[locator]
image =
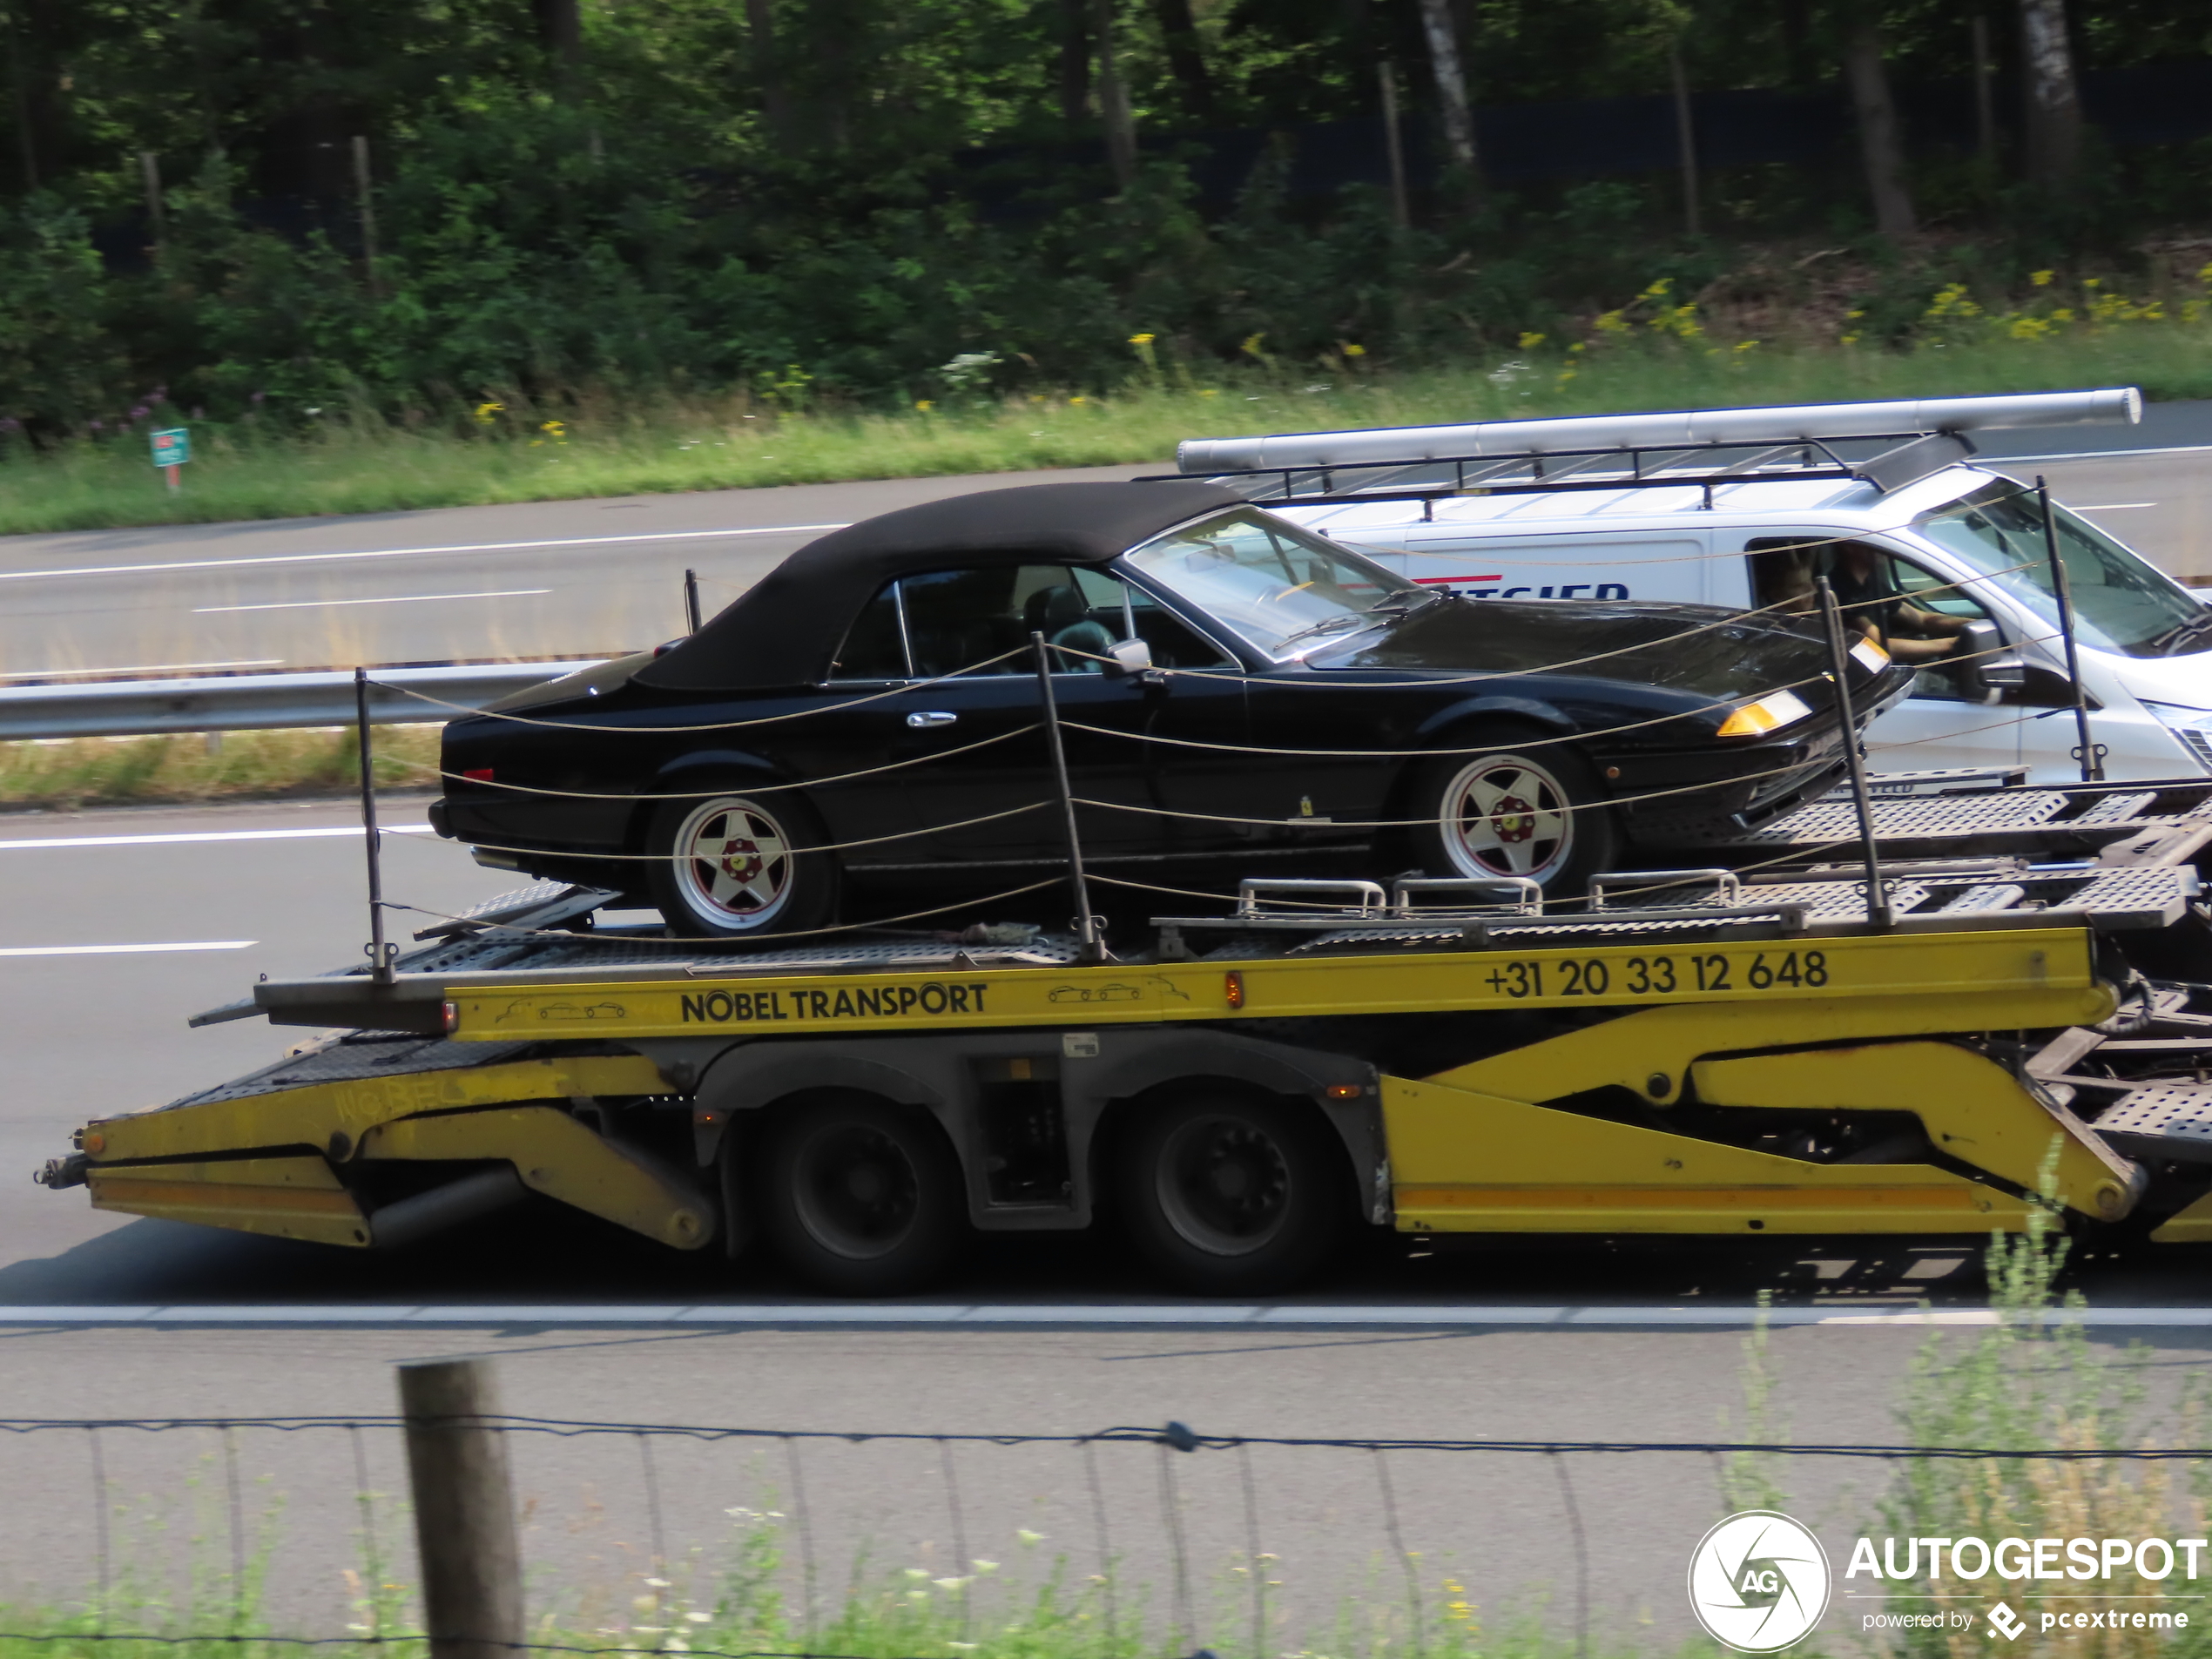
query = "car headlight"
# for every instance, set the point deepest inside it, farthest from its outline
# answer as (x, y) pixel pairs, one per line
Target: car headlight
(1870, 655)
(1770, 713)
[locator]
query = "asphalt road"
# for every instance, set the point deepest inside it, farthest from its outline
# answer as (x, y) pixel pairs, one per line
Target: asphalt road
(1498, 1524)
(567, 579)
(560, 579)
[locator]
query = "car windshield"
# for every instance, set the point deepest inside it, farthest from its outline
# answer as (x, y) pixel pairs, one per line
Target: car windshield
(1285, 591)
(2120, 603)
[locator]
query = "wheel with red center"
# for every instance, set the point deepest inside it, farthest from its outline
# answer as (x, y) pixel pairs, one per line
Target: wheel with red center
(726, 864)
(1526, 809)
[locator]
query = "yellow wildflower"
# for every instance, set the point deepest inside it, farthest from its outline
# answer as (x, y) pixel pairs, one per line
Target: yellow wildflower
(924, 404)
(2041, 278)
(1530, 340)
(1355, 351)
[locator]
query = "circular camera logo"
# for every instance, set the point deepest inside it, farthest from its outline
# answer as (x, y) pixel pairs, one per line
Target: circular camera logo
(1758, 1582)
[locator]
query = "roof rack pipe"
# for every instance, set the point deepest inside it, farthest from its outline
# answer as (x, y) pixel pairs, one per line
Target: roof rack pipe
(1804, 423)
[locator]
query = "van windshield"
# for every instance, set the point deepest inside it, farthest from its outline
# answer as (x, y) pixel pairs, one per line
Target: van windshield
(2120, 603)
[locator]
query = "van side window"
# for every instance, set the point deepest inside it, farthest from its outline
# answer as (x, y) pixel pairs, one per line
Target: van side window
(1782, 573)
(1917, 616)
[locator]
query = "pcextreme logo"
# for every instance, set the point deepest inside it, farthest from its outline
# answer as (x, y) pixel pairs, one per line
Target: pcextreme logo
(1758, 1582)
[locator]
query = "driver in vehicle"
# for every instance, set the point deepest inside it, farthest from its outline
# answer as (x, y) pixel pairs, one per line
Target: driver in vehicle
(1874, 605)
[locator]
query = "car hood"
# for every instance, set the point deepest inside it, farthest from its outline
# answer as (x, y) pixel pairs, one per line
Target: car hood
(1701, 649)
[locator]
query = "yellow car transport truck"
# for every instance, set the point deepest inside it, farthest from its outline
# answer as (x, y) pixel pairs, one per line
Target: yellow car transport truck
(1738, 1049)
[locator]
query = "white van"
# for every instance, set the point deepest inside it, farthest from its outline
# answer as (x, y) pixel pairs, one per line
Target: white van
(1551, 512)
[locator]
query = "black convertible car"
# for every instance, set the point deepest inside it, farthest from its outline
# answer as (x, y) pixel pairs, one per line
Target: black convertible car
(1231, 688)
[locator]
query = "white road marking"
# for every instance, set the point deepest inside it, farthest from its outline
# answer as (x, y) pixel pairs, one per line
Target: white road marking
(1291, 1316)
(412, 552)
(2113, 506)
(207, 835)
(2095, 455)
(136, 668)
(123, 950)
(395, 599)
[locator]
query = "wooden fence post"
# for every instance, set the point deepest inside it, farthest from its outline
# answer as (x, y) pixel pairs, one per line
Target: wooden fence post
(464, 1510)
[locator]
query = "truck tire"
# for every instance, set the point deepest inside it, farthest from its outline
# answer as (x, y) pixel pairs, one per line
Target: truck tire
(1232, 1194)
(1505, 806)
(860, 1196)
(732, 865)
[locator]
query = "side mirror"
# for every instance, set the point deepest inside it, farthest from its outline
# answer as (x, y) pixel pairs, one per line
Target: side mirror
(1988, 666)
(1129, 657)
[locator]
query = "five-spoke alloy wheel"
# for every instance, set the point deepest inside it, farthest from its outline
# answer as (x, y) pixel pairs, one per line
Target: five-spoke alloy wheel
(1530, 811)
(729, 865)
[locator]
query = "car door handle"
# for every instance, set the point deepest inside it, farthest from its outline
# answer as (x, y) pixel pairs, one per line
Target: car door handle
(928, 717)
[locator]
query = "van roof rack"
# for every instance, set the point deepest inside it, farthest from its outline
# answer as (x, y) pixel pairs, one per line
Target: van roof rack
(1706, 466)
(1890, 446)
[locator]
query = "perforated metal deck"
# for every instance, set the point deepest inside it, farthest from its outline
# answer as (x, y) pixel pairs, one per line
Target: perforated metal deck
(2165, 1120)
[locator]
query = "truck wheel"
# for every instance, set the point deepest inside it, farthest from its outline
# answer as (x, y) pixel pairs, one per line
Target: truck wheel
(1525, 809)
(861, 1198)
(1231, 1195)
(729, 865)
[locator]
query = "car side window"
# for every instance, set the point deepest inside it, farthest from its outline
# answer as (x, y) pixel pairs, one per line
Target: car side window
(1175, 643)
(979, 620)
(874, 647)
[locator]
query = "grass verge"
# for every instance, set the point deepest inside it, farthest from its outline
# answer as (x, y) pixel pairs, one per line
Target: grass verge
(65, 774)
(600, 444)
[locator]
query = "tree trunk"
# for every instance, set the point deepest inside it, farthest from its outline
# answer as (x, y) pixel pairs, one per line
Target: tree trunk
(1402, 214)
(1113, 101)
(775, 101)
(560, 31)
(1186, 57)
(1452, 109)
(36, 46)
(2054, 135)
(1985, 92)
(1798, 65)
(1685, 136)
(1074, 64)
(1880, 141)
(26, 145)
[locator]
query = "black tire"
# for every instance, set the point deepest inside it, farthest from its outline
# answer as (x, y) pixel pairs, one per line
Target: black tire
(860, 1196)
(748, 873)
(1231, 1194)
(1503, 805)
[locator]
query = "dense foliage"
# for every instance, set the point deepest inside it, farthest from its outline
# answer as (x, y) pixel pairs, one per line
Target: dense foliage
(890, 201)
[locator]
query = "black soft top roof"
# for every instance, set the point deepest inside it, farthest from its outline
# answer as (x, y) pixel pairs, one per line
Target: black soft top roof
(785, 629)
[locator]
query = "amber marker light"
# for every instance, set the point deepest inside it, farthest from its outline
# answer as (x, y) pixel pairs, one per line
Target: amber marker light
(1232, 986)
(1770, 713)
(1870, 655)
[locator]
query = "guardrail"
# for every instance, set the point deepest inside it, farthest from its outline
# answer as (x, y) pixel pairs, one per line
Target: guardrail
(256, 702)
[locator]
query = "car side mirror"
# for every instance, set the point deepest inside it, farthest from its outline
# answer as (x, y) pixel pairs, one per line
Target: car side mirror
(1129, 657)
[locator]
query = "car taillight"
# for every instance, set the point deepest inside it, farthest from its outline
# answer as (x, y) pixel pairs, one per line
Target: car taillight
(478, 775)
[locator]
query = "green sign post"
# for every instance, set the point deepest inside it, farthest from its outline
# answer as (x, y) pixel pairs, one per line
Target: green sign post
(171, 450)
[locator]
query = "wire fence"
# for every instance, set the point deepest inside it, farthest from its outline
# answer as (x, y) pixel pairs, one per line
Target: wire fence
(754, 1543)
